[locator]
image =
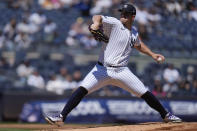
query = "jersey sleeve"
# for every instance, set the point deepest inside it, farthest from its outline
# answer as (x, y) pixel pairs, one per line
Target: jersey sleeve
(109, 20)
(138, 41)
(135, 40)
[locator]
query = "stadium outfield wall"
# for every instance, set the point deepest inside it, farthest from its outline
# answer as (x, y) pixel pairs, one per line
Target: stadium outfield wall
(32, 106)
(108, 110)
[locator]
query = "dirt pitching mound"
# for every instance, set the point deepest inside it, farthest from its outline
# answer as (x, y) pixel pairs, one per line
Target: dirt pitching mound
(185, 126)
(147, 127)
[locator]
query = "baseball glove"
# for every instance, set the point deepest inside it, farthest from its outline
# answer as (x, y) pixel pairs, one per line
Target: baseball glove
(99, 35)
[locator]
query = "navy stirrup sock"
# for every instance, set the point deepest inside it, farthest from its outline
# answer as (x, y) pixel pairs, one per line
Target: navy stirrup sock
(74, 100)
(153, 102)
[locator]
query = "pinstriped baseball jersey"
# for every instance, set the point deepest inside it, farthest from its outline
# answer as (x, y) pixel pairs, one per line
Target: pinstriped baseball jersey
(115, 56)
(121, 40)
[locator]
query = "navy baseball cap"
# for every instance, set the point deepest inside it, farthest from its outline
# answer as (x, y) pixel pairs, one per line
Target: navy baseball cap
(128, 8)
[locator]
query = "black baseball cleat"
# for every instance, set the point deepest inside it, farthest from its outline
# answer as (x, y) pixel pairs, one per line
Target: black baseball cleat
(55, 120)
(171, 118)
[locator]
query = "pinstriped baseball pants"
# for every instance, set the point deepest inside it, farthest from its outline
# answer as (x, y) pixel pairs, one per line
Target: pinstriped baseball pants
(122, 77)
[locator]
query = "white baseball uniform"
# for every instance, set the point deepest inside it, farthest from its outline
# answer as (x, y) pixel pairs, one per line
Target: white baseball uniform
(115, 56)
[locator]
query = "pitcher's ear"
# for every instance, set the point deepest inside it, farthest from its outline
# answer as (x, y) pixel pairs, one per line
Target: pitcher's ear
(133, 17)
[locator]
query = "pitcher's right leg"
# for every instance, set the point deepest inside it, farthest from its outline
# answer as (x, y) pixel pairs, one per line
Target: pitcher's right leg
(74, 100)
(95, 79)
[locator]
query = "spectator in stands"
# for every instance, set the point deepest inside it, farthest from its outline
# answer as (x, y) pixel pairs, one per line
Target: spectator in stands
(25, 27)
(84, 7)
(65, 83)
(36, 80)
(76, 28)
(71, 41)
(54, 4)
(69, 83)
(174, 7)
(142, 16)
(189, 4)
(158, 89)
(74, 33)
(3, 63)
(153, 16)
(46, 4)
(190, 74)
(24, 69)
(2, 39)
(63, 73)
(79, 34)
(143, 32)
(23, 40)
(100, 6)
(170, 88)
(115, 5)
(10, 29)
(50, 27)
(55, 85)
(185, 88)
(77, 76)
(81, 26)
(37, 18)
(88, 41)
(67, 3)
(193, 13)
(194, 87)
(142, 19)
(49, 30)
(171, 74)
(62, 84)
(171, 77)
(23, 4)
(31, 23)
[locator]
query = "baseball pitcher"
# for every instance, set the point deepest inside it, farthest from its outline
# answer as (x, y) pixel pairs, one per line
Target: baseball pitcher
(119, 38)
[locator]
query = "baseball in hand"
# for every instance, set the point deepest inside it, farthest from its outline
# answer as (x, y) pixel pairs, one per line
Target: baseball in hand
(159, 60)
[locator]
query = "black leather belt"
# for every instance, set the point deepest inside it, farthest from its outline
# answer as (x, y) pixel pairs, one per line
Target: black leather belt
(101, 64)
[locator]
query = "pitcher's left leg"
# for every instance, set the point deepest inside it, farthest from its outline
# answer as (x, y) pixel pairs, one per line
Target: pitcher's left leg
(128, 81)
(131, 83)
